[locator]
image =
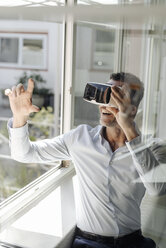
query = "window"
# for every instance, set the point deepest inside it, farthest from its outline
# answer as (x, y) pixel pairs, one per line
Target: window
(28, 54)
(9, 50)
(26, 51)
(113, 38)
(104, 50)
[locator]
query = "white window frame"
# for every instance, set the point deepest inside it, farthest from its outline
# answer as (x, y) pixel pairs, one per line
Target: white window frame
(21, 37)
(19, 203)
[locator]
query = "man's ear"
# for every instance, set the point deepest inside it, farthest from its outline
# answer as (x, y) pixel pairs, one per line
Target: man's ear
(134, 110)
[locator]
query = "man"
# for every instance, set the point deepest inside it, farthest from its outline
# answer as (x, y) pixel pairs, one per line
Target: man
(108, 160)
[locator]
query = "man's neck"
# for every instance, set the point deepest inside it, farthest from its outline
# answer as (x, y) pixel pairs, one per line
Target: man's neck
(115, 136)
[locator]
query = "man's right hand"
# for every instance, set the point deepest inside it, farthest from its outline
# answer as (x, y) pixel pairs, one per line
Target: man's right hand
(21, 103)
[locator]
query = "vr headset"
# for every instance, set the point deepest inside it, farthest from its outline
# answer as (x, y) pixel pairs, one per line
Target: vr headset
(99, 94)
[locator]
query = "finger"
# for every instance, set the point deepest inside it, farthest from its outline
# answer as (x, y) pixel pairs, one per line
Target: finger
(19, 89)
(30, 85)
(113, 110)
(117, 92)
(34, 108)
(14, 94)
(8, 92)
(116, 98)
(118, 102)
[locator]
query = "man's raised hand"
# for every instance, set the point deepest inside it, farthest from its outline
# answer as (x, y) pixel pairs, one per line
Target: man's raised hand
(126, 111)
(21, 103)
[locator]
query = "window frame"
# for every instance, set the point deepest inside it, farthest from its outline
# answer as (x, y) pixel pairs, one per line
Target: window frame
(94, 52)
(21, 37)
(22, 201)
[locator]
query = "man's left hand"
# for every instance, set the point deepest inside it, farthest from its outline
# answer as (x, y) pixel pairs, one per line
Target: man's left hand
(125, 111)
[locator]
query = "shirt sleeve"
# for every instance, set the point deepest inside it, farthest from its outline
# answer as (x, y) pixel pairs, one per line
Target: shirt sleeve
(149, 158)
(25, 151)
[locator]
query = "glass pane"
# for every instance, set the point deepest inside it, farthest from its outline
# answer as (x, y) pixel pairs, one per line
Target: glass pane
(94, 61)
(9, 50)
(32, 53)
(142, 52)
(15, 175)
(46, 95)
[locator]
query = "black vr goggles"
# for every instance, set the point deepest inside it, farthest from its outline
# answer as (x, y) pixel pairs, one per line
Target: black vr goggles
(99, 94)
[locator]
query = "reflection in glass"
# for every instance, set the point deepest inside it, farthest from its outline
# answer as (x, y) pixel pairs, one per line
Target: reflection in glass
(8, 50)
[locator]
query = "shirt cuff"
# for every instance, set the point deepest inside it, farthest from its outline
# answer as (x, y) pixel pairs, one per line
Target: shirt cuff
(17, 132)
(136, 145)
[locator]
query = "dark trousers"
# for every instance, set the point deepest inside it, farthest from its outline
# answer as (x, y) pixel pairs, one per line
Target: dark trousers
(135, 240)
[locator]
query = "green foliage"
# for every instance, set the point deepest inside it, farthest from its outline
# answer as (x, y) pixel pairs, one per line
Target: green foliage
(45, 115)
(39, 128)
(14, 176)
(3, 129)
(26, 175)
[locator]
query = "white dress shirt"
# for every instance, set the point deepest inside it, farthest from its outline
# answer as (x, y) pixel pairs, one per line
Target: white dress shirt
(109, 192)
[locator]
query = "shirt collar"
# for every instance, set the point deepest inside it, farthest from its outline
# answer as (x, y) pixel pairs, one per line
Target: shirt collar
(100, 134)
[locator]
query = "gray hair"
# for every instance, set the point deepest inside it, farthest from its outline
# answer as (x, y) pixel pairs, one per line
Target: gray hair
(135, 94)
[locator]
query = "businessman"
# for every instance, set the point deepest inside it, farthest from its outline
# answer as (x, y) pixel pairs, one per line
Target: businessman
(109, 159)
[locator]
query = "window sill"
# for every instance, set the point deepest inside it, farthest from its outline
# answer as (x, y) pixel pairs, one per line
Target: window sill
(49, 222)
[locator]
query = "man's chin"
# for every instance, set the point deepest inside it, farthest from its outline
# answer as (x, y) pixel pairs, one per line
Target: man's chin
(108, 123)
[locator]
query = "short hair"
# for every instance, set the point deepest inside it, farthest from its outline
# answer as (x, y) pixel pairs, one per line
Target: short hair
(136, 95)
